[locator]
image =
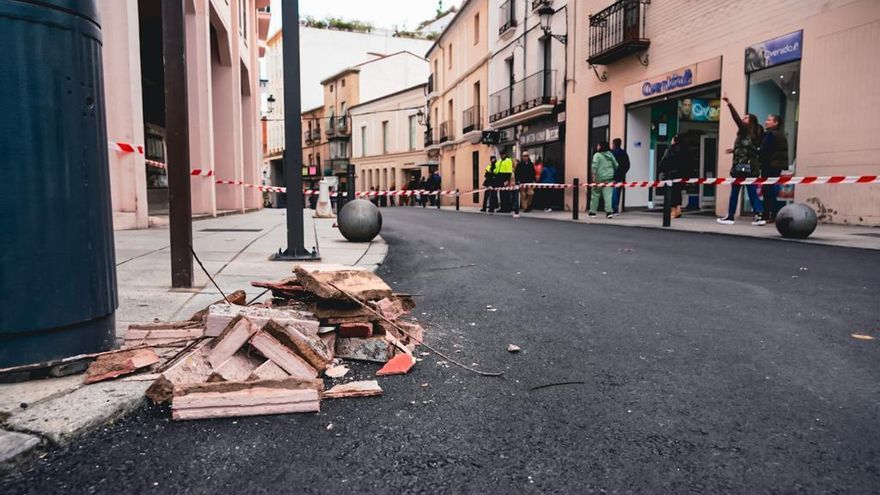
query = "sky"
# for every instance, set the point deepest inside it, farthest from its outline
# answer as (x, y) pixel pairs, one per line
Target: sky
(380, 13)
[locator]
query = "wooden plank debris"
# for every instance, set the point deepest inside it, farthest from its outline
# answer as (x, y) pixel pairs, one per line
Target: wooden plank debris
(283, 356)
(366, 388)
(237, 368)
(362, 284)
(219, 316)
(246, 399)
(231, 339)
(192, 367)
(268, 371)
(310, 348)
(330, 342)
(123, 363)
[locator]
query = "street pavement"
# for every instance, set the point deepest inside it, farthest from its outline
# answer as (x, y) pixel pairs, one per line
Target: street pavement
(652, 362)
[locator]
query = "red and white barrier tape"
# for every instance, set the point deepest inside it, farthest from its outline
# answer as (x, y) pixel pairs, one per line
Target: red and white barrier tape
(125, 147)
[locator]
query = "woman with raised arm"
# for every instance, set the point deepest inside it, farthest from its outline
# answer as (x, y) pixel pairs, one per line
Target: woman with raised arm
(746, 163)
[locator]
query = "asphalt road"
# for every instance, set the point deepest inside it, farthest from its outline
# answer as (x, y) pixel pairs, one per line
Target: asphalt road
(708, 364)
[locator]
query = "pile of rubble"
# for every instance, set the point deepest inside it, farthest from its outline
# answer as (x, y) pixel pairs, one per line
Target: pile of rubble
(240, 360)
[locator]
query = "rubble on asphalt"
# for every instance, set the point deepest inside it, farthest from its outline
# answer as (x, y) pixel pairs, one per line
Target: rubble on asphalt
(233, 360)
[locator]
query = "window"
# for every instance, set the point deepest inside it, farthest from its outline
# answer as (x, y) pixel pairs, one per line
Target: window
(342, 83)
(363, 140)
(311, 159)
(476, 28)
(385, 137)
(331, 88)
(342, 109)
(242, 20)
(412, 132)
(449, 53)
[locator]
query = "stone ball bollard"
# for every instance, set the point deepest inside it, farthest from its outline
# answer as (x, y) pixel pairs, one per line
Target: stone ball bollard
(359, 221)
(796, 221)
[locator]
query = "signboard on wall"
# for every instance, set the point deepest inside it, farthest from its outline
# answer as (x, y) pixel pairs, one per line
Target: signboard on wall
(699, 110)
(540, 136)
(777, 51)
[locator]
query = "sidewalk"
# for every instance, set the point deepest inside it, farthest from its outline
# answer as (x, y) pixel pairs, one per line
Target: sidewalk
(825, 234)
(235, 250)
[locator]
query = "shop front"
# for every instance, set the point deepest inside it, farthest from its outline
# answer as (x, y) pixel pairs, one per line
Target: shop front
(686, 103)
(543, 140)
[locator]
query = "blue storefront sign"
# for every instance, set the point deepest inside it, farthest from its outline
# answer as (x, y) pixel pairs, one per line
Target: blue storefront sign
(777, 51)
(669, 83)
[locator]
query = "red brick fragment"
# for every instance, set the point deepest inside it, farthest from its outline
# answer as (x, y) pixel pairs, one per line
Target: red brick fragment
(398, 365)
(361, 329)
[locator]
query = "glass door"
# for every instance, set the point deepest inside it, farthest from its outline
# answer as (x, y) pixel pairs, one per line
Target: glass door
(708, 168)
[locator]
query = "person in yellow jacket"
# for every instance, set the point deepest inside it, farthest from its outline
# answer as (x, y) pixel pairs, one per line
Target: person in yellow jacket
(503, 179)
(490, 197)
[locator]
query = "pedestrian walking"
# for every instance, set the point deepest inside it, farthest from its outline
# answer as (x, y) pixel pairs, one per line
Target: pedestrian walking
(672, 166)
(551, 196)
(490, 195)
(604, 165)
(746, 163)
(434, 187)
(525, 174)
(423, 187)
(620, 175)
(504, 179)
(774, 159)
(391, 191)
(413, 191)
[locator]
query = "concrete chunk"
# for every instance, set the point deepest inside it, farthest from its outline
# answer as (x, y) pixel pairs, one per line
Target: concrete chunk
(65, 417)
(13, 445)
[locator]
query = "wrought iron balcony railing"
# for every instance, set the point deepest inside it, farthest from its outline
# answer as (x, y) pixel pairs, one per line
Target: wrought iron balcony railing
(537, 89)
(446, 131)
(508, 17)
(472, 119)
(618, 31)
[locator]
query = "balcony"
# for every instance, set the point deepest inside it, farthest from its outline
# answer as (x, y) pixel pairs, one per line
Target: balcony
(618, 31)
(508, 18)
(431, 90)
(472, 119)
(341, 125)
(537, 4)
(307, 137)
(316, 134)
(446, 131)
(429, 138)
(526, 99)
(336, 166)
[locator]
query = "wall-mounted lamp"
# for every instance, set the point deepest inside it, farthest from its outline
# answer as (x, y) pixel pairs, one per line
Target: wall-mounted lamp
(270, 104)
(546, 12)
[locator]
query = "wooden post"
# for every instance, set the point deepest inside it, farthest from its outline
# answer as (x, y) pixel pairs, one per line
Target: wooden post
(177, 143)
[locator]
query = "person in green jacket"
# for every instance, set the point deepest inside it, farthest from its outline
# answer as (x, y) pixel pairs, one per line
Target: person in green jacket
(603, 168)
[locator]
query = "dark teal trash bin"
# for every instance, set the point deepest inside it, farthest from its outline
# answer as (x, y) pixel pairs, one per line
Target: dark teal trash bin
(57, 265)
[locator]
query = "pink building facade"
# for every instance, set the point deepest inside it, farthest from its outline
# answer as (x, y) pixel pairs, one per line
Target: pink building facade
(224, 39)
(644, 71)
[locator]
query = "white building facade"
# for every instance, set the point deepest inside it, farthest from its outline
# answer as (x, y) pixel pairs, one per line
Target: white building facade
(528, 70)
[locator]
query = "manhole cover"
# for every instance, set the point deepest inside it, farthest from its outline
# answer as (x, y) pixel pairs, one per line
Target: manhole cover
(231, 230)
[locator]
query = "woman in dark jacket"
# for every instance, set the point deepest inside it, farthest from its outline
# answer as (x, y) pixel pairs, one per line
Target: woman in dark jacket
(672, 166)
(745, 153)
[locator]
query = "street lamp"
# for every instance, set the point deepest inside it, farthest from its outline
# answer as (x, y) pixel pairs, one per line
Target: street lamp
(270, 103)
(546, 12)
(420, 117)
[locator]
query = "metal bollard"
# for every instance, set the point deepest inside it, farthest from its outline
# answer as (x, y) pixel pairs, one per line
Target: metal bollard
(439, 197)
(576, 199)
(667, 205)
(457, 201)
